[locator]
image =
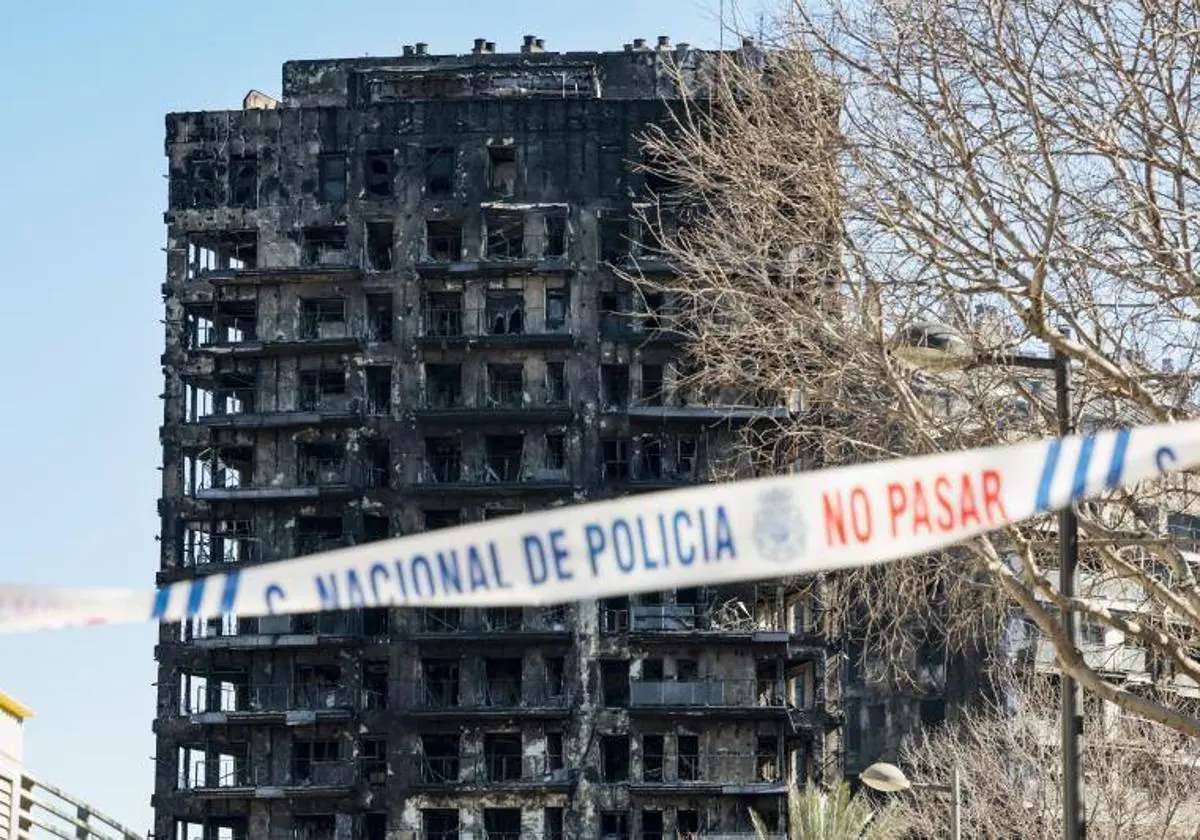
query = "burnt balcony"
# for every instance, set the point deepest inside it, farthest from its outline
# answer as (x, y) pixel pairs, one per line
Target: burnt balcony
(304, 778)
(640, 328)
(442, 698)
(498, 399)
(235, 402)
(231, 703)
(510, 325)
(712, 773)
(503, 467)
(739, 697)
(726, 622)
(493, 771)
(499, 625)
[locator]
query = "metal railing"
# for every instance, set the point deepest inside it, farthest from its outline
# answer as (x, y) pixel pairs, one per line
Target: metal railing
(281, 697)
(47, 811)
(724, 617)
(708, 693)
(713, 767)
(449, 770)
(324, 472)
(491, 620)
(495, 693)
(495, 320)
(618, 324)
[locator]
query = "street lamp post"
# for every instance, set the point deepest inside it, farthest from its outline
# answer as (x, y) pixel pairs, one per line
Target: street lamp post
(890, 778)
(940, 348)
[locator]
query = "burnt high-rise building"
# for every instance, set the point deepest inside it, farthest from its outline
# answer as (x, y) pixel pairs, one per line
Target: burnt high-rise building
(391, 307)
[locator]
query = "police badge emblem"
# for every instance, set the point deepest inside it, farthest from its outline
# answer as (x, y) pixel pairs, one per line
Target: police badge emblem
(779, 530)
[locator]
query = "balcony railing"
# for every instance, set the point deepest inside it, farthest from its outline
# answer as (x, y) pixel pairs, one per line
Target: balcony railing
(736, 769)
(302, 773)
(452, 770)
(281, 697)
(496, 393)
(732, 617)
(621, 324)
(495, 693)
(491, 322)
(441, 620)
(708, 693)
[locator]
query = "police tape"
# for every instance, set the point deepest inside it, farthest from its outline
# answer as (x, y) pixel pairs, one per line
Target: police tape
(700, 535)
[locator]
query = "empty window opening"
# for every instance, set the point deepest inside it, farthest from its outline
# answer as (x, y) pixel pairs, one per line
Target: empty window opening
(653, 758)
(220, 251)
(437, 519)
(685, 462)
(439, 824)
(314, 827)
(933, 711)
(202, 184)
(614, 682)
(376, 463)
(651, 462)
(440, 619)
(332, 174)
(767, 764)
(235, 393)
(441, 759)
(687, 823)
(213, 828)
(502, 824)
(503, 681)
(444, 314)
(324, 246)
(380, 317)
(502, 170)
(503, 454)
(379, 246)
(687, 670)
(652, 825)
(653, 669)
(556, 452)
(505, 235)
(558, 302)
(443, 240)
(440, 682)
(688, 768)
(443, 460)
(766, 676)
(379, 389)
(224, 467)
(652, 385)
(375, 826)
(243, 182)
(322, 390)
(505, 385)
(502, 756)
(614, 825)
(318, 533)
(375, 619)
(555, 827)
(614, 239)
(439, 171)
(443, 385)
(554, 751)
(504, 312)
(554, 244)
(556, 382)
(312, 760)
(378, 173)
(323, 318)
(322, 464)
(502, 619)
(375, 683)
(616, 460)
(655, 306)
(230, 541)
(614, 758)
(556, 677)
(235, 321)
(614, 386)
(372, 760)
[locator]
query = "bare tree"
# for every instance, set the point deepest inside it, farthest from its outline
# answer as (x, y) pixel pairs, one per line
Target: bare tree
(1022, 170)
(1140, 783)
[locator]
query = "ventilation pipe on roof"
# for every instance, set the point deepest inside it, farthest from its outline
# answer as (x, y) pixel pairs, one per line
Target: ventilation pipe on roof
(422, 48)
(664, 42)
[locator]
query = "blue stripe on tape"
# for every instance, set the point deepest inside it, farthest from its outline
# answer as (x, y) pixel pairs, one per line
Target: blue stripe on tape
(1079, 485)
(1048, 469)
(196, 596)
(229, 593)
(162, 598)
(1116, 466)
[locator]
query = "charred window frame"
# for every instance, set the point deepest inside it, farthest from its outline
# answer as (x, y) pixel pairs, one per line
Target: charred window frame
(243, 182)
(379, 173)
(331, 174)
(203, 191)
(379, 245)
(439, 170)
(558, 305)
(443, 240)
(502, 170)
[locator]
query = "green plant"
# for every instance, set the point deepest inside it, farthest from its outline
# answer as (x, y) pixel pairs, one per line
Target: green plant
(816, 814)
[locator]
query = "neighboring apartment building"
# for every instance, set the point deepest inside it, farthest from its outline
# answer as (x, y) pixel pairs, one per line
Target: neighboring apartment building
(30, 808)
(389, 308)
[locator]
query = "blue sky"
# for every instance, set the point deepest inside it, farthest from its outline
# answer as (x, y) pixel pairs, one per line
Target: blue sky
(81, 235)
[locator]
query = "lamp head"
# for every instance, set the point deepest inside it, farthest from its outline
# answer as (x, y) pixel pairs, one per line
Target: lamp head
(885, 777)
(932, 346)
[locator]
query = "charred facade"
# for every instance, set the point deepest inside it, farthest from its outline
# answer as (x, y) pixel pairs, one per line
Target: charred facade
(390, 307)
